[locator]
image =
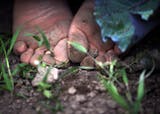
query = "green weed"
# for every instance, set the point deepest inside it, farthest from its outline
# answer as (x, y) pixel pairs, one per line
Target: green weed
(6, 75)
(126, 101)
(45, 87)
(110, 78)
(41, 38)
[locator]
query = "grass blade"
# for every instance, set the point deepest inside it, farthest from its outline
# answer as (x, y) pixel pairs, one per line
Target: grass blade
(13, 40)
(124, 77)
(140, 91)
(47, 94)
(18, 68)
(114, 94)
(78, 47)
(86, 68)
(69, 71)
(45, 40)
(36, 37)
(8, 83)
(8, 74)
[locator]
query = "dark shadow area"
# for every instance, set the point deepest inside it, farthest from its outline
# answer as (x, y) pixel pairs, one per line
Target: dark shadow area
(6, 8)
(75, 5)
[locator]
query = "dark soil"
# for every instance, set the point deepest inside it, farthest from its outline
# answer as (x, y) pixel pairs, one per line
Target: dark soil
(89, 96)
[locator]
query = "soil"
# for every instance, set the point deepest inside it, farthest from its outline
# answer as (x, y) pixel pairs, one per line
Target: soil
(82, 93)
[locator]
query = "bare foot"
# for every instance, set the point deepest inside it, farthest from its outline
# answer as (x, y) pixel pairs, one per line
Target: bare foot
(53, 17)
(85, 31)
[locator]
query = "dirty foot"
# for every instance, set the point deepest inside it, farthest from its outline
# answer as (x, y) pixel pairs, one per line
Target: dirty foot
(54, 18)
(85, 31)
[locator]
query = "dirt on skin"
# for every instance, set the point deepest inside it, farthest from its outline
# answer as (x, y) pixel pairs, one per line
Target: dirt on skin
(82, 93)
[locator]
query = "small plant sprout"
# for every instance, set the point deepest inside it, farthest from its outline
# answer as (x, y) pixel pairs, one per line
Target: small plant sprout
(7, 76)
(110, 80)
(41, 38)
(6, 73)
(45, 87)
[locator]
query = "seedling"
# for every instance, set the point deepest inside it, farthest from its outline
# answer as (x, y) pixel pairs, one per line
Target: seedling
(41, 38)
(6, 73)
(7, 76)
(110, 79)
(45, 87)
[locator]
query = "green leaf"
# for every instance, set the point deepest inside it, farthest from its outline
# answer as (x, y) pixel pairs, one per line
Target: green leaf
(7, 80)
(36, 37)
(86, 67)
(136, 107)
(111, 67)
(69, 71)
(140, 91)
(44, 86)
(47, 93)
(78, 47)
(18, 68)
(124, 77)
(13, 40)
(46, 74)
(45, 40)
(29, 34)
(114, 94)
(7, 76)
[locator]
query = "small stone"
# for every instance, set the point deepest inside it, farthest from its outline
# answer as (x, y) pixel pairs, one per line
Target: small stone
(111, 103)
(99, 87)
(37, 80)
(19, 83)
(74, 105)
(18, 101)
(38, 108)
(51, 78)
(27, 83)
(80, 98)
(79, 112)
(69, 111)
(28, 100)
(72, 90)
(53, 75)
(30, 104)
(35, 94)
(91, 94)
(100, 111)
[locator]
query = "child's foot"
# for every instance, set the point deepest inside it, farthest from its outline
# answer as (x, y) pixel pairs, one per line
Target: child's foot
(85, 31)
(53, 17)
